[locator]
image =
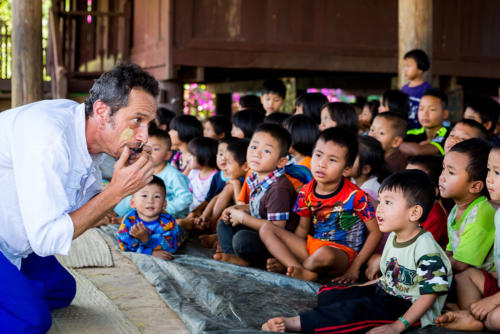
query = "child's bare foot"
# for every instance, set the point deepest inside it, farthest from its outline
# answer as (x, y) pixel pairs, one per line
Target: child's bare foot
(186, 223)
(459, 320)
(275, 266)
(301, 273)
(208, 240)
(451, 307)
(233, 259)
(218, 256)
(274, 325)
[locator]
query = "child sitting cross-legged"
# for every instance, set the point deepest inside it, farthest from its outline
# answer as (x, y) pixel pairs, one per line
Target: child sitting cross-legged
(478, 290)
(340, 214)
(471, 228)
(436, 219)
(272, 197)
(416, 273)
(148, 229)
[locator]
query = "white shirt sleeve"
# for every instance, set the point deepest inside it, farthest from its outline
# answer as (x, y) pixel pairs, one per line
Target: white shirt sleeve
(46, 192)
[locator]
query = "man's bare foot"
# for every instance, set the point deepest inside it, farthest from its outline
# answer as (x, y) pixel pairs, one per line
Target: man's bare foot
(275, 266)
(459, 320)
(233, 259)
(301, 273)
(218, 256)
(274, 325)
(208, 240)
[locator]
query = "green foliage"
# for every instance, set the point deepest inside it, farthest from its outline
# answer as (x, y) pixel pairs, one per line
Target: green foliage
(6, 12)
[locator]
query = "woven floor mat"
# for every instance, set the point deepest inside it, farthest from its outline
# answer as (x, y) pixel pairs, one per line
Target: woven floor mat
(88, 250)
(90, 312)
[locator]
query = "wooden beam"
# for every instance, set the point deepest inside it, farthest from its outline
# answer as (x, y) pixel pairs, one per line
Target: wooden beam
(26, 52)
(415, 32)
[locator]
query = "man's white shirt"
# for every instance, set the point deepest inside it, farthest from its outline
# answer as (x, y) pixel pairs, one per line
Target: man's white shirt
(46, 172)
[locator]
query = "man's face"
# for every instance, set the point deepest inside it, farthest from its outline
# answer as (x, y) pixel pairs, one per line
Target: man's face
(129, 125)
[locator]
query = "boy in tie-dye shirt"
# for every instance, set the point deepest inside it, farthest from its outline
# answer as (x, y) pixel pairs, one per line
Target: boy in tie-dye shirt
(148, 229)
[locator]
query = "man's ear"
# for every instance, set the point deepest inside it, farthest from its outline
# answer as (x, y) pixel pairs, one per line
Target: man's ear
(282, 162)
(416, 213)
(476, 187)
(396, 142)
(101, 111)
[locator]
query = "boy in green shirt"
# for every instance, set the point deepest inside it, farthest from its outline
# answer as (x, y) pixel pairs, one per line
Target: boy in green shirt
(471, 228)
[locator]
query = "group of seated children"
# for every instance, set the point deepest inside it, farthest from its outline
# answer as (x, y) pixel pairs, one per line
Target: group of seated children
(389, 197)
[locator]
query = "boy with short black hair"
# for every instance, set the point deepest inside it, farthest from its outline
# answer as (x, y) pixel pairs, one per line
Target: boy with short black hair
(396, 101)
(429, 139)
(335, 211)
(148, 229)
(463, 130)
(415, 63)
(416, 272)
(272, 197)
(273, 95)
(484, 110)
(389, 128)
(471, 228)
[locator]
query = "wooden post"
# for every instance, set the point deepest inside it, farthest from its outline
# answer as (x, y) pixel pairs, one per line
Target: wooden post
(26, 52)
(415, 32)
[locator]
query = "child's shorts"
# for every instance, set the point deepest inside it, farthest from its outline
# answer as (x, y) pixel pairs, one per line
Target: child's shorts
(314, 244)
(490, 284)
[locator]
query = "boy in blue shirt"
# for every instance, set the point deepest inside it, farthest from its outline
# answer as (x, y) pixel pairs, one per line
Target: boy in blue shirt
(148, 229)
(415, 63)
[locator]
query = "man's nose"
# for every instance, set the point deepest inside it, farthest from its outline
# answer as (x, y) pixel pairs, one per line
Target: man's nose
(142, 134)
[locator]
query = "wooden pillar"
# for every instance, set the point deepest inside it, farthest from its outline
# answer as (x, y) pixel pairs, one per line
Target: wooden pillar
(171, 95)
(26, 52)
(415, 32)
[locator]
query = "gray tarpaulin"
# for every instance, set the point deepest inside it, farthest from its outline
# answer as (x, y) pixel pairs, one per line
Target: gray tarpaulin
(215, 297)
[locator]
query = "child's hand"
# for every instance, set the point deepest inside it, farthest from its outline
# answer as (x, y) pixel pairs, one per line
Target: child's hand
(162, 254)
(373, 267)
(392, 328)
(139, 231)
(481, 308)
(200, 223)
(350, 276)
(237, 217)
(226, 215)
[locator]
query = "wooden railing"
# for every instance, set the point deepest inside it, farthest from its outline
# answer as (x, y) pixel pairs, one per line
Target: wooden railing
(5, 51)
(83, 44)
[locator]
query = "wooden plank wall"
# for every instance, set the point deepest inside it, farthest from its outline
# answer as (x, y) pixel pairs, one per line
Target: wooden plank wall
(324, 35)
